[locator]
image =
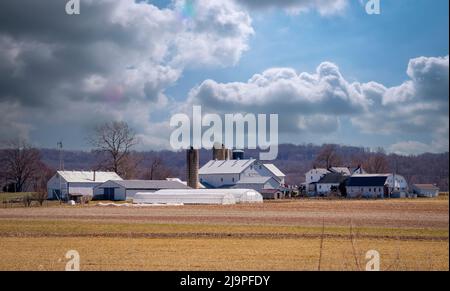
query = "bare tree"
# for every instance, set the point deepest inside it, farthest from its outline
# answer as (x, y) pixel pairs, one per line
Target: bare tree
(157, 170)
(377, 163)
(40, 185)
(21, 163)
(328, 157)
(114, 140)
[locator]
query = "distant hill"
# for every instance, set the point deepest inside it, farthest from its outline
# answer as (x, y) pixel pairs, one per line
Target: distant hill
(293, 160)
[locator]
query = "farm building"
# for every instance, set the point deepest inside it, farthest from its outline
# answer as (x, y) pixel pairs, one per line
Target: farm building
(122, 190)
(65, 185)
(273, 194)
(242, 174)
(313, 176)
(377, 186)
(199, 196)
(329, 182)
(425, 190)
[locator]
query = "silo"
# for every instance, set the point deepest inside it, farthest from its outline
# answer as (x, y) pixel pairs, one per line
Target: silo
(220, 153)
(192, 165)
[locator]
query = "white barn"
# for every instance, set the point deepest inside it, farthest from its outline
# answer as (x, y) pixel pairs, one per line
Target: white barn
(65, 184)
(251, 174)
(377, 186)
(122, 190)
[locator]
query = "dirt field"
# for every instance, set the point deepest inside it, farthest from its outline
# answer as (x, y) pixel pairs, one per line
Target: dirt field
(408, 234)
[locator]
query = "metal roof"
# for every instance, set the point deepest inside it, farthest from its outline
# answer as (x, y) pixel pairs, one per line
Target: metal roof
(225, 167)
(150, 184)
(274, 170)
(332, 178)
(367, 180)
(426, 186)
(341, 170)
(88, 176)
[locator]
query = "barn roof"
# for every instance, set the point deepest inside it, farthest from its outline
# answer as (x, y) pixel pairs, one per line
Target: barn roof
(341, 170)
(225, 167)
(274, 170)
(254, 180)
(426, 187)
(88, 176)
(151, 184)
(332, 178)
(367, 181)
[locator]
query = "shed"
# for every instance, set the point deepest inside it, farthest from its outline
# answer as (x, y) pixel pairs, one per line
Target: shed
(66, 183)
(425, 190)
(126, 189)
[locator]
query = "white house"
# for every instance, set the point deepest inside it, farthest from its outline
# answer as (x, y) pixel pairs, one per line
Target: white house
(314, 175)
(377, 186)
(425, 190)
(250, 174)
(65, 184)
(326, 184)
(122, 190)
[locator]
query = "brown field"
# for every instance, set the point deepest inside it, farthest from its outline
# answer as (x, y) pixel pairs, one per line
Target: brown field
(286, 235)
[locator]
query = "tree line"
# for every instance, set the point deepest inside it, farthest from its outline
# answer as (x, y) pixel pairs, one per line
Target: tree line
(26, 168)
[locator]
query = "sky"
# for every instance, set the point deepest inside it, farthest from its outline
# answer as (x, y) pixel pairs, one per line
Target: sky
(332, 72)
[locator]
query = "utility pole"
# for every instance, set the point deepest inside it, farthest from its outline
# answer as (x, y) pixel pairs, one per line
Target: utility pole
(61, 167)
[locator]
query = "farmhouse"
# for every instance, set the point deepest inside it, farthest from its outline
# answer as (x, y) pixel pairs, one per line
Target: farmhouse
(425, 190)
(66, 185)
(122, 190)
(250, 173)
(377, 186)
(329, 183)
(313, 176)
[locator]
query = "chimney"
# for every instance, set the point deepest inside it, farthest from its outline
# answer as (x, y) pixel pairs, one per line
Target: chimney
(192, 165)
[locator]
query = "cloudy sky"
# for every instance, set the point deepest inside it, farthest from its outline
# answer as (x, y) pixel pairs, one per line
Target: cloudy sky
(332, 72)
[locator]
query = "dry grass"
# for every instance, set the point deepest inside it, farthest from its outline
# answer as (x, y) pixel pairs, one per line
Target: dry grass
(409, 235)
(216, 254)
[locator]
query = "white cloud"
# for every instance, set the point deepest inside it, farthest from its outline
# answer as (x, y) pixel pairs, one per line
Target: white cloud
(324, 7)
(316, 103)
(114, 60)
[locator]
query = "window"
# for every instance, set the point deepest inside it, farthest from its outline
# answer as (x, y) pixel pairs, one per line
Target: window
(233, 179)
(370, 189)
(221, 179)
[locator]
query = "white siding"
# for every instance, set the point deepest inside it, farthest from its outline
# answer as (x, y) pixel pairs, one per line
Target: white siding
(365, 192)
(315, 175)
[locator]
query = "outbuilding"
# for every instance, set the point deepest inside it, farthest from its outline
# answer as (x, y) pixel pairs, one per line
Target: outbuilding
(67, 184)
(199, 196)
(122, 190)
(425, 190)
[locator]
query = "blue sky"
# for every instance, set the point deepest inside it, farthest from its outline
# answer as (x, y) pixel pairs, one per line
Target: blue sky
(331, 71)
(365, 47)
